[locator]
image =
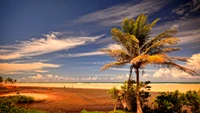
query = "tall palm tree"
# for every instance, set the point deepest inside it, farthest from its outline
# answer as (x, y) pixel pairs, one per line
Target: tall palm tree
(139, 50)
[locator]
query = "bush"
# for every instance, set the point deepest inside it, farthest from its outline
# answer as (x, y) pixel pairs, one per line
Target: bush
(120, 95)
(169, 102)
(192, 98)
(8, 104)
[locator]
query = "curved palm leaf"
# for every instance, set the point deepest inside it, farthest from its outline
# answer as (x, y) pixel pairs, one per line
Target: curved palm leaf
(119, 55)
(114, 64)
(171, 65)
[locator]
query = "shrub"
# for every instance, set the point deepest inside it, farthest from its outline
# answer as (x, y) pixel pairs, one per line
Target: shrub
(169, 102)
(192, 98)
(120, 95)
(8, 104)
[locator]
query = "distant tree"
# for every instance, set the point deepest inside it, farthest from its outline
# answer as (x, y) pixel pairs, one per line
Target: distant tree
(15, 81)
(8, 80)
(139, 50)
(1, 79)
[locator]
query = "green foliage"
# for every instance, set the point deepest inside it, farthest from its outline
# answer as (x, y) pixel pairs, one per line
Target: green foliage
(8, 104)
(85, 111)
(169, 102)
(192, 98)
(120, 95)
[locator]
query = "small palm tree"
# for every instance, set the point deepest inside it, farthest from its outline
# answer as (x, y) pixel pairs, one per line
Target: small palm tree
(139, 50)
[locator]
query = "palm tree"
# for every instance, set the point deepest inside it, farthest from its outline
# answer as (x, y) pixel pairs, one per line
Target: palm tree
(139, 50)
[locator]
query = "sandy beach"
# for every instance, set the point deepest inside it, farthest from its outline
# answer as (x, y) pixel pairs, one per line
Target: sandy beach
(154, 87)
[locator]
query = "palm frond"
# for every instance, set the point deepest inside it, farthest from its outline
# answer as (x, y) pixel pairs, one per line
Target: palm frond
(183, 59)
(113, 64)
(165, 34)
(127, 25)
(161, 43)
(165, 50)
(139, 29)
(140, 58)
(171, 65)
(132, 44)
(157, 59)
(119, 55)
(118, 36)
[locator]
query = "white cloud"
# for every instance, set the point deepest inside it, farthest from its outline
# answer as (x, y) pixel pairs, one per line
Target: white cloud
(41, 71)
(37, 77)
(82, 54)
(93, 53)
(115, 14)
(50, 43)
(20, 68)
(193, 63)
(58, 78)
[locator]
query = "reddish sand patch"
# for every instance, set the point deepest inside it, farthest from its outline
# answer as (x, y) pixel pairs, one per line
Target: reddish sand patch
(69, 100)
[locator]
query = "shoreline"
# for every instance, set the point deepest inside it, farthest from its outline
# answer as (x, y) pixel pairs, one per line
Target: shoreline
(106, 86)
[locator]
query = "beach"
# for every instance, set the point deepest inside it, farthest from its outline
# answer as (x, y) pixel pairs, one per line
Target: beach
(74, 97)
(155, 87)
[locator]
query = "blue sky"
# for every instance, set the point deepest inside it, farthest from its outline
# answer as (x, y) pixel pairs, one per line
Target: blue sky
(59, 41)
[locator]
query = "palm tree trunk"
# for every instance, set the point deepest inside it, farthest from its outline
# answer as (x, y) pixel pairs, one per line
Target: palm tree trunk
(139, 108)
(129, 78)
(128, 102)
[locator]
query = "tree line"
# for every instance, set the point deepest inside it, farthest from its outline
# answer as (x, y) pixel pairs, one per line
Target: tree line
(7, 80)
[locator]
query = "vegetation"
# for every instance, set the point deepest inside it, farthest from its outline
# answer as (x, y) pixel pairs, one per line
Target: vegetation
(120, 95)
(138, 49)
(8, 104)
(85, 111)
(169, 102)
(10, 81)
(192, 98)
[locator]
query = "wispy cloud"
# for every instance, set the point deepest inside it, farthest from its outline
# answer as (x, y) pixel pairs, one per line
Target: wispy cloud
(93, 53)
(81, 54)
(21, 68)
(185, 10)
(188, 30)
(115, 14)
(50, 43)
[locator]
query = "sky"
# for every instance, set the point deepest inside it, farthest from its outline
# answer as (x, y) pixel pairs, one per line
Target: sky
(59, 40)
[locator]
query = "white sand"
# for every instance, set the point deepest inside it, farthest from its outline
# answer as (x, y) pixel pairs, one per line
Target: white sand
(36, 96)
(155, 87)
